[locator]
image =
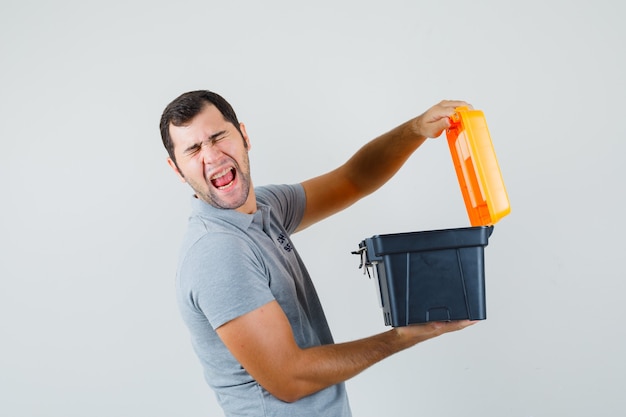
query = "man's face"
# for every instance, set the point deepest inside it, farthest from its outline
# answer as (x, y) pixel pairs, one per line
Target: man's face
(213, 160)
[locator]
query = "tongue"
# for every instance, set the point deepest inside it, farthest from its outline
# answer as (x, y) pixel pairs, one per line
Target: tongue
(223, 180)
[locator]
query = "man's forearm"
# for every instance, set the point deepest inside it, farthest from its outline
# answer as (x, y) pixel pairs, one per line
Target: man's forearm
(319, 367)
(378, 160)
(372, 165)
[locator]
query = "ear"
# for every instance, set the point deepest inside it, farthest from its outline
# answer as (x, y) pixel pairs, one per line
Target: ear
(246, 138)
(175, 168)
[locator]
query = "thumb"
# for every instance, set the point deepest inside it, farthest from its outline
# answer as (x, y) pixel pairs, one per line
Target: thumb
(436, 127)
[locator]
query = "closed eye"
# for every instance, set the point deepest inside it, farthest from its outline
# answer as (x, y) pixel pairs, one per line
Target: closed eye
(192, 149)
(211, 140)
(218, 136)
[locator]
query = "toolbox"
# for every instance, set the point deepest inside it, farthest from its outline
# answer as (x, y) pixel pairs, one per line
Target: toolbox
(436, 275)
(439, 275)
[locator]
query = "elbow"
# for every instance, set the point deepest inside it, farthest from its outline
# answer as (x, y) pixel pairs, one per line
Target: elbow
(290, 391)
(287, 394)
(288, 398)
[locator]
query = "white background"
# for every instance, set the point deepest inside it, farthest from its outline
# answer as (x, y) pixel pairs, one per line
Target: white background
(91, 216)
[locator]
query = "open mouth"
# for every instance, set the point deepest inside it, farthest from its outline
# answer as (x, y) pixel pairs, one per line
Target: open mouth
(223, 179)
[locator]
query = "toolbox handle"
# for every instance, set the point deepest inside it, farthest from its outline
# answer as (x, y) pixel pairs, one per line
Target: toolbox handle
(363, 264)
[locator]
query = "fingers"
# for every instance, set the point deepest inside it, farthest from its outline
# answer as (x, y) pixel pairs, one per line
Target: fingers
(457, 324)
(455, 103)
(437, 119)
(446, 108)
(441, 327)
(425, 331)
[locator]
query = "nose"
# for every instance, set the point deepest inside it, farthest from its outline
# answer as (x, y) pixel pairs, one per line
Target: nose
(210, 153)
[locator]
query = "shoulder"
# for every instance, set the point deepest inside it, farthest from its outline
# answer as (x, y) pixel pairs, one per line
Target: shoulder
(218, 249)
(279, 194)
(222, 276)
(287, 203)
(218, 261)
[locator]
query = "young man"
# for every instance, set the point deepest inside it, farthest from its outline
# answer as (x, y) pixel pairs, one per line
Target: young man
(256, 322)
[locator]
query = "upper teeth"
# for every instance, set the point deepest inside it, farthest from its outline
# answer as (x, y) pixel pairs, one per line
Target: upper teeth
(220, 174)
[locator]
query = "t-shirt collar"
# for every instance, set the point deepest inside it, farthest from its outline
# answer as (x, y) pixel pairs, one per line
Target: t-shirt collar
(240, 220)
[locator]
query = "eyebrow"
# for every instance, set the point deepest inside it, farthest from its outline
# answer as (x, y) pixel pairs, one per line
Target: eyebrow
(210, 138)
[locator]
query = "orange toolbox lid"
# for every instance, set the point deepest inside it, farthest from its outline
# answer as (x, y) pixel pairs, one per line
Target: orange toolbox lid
(476, 167)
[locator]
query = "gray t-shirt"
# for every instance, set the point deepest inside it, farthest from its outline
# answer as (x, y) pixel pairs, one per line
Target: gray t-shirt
(232, 263)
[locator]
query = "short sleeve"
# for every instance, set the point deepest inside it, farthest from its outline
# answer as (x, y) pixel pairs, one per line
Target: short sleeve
(287, 202)
(225, 280)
